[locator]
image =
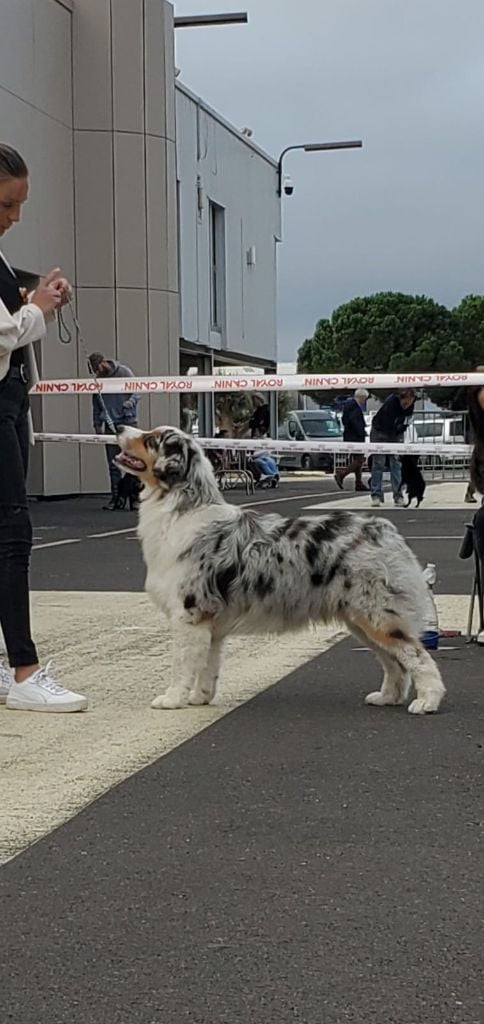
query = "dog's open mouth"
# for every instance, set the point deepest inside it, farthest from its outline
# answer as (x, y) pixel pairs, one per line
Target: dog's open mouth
(130, 462)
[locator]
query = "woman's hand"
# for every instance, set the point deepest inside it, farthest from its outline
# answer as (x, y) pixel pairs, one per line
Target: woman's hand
(65, 289)
(48, 294)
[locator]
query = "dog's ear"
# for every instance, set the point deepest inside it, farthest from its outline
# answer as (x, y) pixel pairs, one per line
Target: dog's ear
(200, 476)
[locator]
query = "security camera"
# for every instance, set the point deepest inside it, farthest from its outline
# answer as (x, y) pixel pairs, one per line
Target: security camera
(288, 187)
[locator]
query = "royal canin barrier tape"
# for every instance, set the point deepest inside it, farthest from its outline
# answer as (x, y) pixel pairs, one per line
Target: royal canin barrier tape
(276, 382)
(266, 444)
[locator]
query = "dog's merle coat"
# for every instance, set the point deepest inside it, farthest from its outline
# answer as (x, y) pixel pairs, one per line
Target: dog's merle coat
(216, 569)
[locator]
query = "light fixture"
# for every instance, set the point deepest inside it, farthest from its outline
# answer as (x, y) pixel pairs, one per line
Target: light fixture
(313, 147)
(201, 20)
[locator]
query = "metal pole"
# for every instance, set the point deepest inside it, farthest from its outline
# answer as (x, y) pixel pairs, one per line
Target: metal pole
(314, 147)
(197, 20)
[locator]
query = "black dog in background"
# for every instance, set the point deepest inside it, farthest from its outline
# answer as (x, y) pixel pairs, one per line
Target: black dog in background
(412, 479)
(129, 488)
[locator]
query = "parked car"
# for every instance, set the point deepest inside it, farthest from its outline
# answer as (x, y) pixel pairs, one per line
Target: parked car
(309, 425)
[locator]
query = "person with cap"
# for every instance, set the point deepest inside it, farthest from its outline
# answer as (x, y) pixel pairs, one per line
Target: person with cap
(110, 411)
(260, 419)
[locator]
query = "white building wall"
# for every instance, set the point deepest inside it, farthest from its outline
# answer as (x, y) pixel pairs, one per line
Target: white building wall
(239, 177)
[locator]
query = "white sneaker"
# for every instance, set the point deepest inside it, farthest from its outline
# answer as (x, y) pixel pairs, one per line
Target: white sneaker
(375, 501)
(6, 680)
(40, 692)
(399, 502)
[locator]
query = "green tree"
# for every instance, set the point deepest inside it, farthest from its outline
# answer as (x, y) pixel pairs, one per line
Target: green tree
(391, 332)
(469, 318)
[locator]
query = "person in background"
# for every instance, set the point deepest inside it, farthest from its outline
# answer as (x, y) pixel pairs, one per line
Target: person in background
(111, 411)
(26, 686)
(388, 427)
(264, 469)
(460, 404)
(475, 398)
(354, 430)
(260, 420)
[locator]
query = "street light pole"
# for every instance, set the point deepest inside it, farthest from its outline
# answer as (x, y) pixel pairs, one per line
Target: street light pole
(201, 20)
(313, 147)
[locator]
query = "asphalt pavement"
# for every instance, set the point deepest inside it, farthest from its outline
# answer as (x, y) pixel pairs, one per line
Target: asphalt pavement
(304, 858)
(78, 546)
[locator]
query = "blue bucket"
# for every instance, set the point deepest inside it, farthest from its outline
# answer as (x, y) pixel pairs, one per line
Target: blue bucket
(430, 640)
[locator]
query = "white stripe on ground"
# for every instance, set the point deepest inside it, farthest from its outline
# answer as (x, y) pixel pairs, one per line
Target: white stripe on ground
(112, 533)
(114, 648)
(58, 543)
(295, 497)
(77, 540)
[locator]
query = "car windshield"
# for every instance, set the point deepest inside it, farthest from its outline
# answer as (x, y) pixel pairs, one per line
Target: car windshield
(321, 427)
(429, 428)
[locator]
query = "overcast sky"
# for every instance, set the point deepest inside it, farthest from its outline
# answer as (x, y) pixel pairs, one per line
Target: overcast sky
(405, 213)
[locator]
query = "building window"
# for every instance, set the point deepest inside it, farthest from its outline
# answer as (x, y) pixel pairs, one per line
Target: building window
(217, 266)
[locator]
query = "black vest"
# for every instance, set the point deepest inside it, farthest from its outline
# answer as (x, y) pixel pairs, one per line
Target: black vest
(12, 297)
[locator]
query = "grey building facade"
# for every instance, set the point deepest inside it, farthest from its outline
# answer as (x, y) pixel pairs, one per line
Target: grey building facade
(163, 215)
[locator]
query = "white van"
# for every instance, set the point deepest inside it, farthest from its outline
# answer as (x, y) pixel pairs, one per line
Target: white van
(438, 429)
(309, 425)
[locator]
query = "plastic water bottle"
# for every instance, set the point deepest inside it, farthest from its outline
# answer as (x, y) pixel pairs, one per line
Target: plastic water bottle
(430, 634)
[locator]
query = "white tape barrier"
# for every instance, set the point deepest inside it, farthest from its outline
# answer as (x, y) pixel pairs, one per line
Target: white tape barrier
(462, 450)
(277, 382)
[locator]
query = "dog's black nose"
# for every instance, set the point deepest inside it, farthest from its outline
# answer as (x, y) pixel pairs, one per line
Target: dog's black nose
(119, 430)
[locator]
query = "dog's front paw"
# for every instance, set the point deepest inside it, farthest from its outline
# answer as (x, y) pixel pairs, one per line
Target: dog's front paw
(168, 701)
(423, 706)
(379, 699)
(198, 697)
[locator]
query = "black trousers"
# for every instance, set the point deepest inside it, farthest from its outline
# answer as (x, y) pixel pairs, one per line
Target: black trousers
(15, 524)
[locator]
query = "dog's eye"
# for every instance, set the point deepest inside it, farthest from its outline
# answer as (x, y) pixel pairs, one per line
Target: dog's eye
(173, 447)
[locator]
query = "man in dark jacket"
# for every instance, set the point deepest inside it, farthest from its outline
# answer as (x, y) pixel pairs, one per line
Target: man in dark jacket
(112, 411)
(354, 429)
(388, 427)
(260, 419)
(460, 404)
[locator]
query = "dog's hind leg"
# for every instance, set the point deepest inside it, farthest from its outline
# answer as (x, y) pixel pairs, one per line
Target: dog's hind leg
(396, 643)
(190, 649)
(205, 687)
(395, 686)
(396, 680)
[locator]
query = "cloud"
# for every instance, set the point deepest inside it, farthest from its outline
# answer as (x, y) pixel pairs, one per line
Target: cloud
(405, 75)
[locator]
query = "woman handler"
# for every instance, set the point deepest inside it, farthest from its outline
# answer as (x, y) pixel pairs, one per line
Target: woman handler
(28, 687)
